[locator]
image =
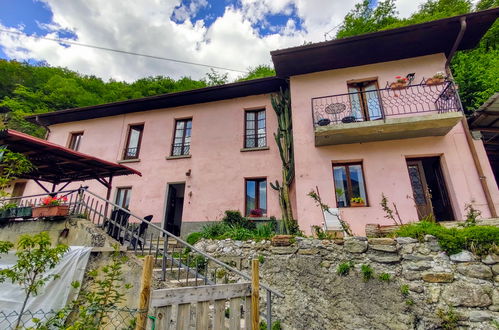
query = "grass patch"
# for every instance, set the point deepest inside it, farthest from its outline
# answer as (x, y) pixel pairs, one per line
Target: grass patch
(385, 277)
(481, 240)
(367, 272)
(344, 268)
(404, 289)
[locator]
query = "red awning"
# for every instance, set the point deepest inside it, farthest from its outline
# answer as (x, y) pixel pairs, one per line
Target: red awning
(57, 164)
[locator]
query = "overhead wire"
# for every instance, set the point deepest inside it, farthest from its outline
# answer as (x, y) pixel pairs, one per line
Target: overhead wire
(70, 42)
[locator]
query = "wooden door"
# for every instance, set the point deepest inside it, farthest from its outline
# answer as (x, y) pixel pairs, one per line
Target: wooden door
(170, 210)
(420, 190)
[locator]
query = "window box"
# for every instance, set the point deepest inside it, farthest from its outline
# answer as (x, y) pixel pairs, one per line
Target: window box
(16, 212)
(50, 211)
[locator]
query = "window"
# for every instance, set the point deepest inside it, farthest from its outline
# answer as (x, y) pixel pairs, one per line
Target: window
(256, 195)
(75, 140)
(123, 197)
(364, 100)
(348, 183)
(182, 139)
(255, 136)
(133, 141)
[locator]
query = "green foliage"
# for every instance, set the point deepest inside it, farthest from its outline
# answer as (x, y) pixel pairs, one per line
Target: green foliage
(260, 71)
(357, 200)
(214, 230)
(261, 259)
(389, 213)
(325, 208)
(448, 318)
(275, 325)
(478, 239)
(235, 219)
(265, 231)
(471, 215)
(216, 78)
(409, 302)
(5, 247)
(385, 277)
(238, 234)
(404, 289)
(320, 233)
(12, 165)
(35, 256)
(344, 268)
(193, 238)
(367, 272)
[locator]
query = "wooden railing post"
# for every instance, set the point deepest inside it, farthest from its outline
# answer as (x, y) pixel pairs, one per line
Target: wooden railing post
(255, 295)
(145, 292)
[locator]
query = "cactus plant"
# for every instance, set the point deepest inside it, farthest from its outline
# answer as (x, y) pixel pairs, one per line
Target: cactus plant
(281, 103)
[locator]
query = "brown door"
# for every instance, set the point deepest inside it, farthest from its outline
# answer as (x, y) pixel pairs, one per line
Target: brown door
(420, 190)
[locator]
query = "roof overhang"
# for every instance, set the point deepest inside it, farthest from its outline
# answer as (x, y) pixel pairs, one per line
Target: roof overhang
(56, 164)
(410, 41)
(202, 95)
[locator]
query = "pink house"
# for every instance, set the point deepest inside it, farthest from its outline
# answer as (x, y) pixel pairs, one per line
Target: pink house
(356, 135)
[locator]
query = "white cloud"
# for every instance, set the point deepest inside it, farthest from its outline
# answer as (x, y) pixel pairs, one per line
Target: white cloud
(233, 40)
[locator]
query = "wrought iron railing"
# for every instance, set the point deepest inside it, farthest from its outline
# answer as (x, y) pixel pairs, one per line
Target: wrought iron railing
(177, 262)
(131, 153)
(383, 103)
(255, 140)
(181, 149)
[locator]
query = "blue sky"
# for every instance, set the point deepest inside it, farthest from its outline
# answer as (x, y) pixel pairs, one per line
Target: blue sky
(229, 33)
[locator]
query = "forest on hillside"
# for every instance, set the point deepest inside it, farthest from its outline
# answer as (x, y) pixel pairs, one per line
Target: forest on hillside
(33, 89)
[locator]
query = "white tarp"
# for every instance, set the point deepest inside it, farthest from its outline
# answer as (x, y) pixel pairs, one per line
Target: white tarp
(56, 293)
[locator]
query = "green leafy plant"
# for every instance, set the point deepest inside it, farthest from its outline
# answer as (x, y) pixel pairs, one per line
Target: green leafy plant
(12, 165)
(449, 318)
(320, 233)
(404, 289)
(344, 268)
(389, 213)
(261, 259)
(358, 200)
(314, 194)
(35, 256)
(367, 272)
(409, 302)
(385, 277)
(472, 215)
(193, 238)
(235, 219)
(275, 325)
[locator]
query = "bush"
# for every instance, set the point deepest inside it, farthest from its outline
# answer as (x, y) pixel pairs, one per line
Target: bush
(367, 272)
(385, 277)
(214, 230)
(193, 238)
(265, 231)
(344, 268)
(234, 218)
(478, 239)
(239, 234)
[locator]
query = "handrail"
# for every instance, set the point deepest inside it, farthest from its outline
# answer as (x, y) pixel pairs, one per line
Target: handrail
(167, 233)
(39, 195)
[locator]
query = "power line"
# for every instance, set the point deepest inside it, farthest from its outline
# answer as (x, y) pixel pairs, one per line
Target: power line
(121, 51)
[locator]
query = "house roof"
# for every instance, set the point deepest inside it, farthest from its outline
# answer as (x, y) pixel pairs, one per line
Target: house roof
(201, 95)
(56, 164)
(388, 45)
(486, 120)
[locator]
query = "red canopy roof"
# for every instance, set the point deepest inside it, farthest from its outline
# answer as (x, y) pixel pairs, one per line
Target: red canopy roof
(57, 164)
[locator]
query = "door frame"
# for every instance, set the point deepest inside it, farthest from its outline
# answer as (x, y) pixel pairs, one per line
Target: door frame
(165, 200)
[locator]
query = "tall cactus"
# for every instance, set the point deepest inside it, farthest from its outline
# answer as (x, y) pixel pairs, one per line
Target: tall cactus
(284, 138)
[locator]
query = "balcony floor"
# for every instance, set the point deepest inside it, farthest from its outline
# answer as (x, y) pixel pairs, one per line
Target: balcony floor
(406, 127)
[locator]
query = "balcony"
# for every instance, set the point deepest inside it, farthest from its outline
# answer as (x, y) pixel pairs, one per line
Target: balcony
(386, 114)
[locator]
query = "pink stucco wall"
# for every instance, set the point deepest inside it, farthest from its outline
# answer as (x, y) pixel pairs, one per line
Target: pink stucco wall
(384, 163)
(218, 167)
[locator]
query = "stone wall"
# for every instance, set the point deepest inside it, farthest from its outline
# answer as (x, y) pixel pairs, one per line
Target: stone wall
(423, 281)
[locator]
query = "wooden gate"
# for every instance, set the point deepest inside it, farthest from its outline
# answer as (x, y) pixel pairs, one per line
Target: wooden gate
(223, 306)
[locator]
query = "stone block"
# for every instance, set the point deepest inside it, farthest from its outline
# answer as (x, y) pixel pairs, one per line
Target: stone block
(463, 256)
(479, 316)
(433, 293)
(495, 269)
(417, 265)
(406, 240)
(434, 277)
(475, 270)
(284, 250)
(311, 251)
(491, 259)
(355, 246)
(416, 257)
(382, 241)
(467, 294)
(385, 258)
(412, 275)
(384, 248)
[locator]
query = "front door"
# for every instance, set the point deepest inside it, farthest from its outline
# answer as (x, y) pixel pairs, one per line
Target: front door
(174, 208)
(429, 188)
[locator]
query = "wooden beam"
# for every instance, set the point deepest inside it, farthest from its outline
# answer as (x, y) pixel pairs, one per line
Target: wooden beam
(255, 294)
(42, 186)
(145, 293)
(486, 129)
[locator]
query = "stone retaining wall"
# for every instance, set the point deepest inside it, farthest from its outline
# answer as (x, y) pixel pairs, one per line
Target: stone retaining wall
(424, 280)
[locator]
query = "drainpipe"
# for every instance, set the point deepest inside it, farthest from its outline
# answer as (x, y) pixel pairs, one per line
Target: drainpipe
(469, 138)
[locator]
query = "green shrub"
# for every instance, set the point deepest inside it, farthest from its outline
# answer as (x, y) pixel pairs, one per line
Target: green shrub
(344, 268)
(385, 277)
(367, 272)
(449, 318)
(264, 231)
(261, 259)
(214, 230)
(193, 238)
(404, 289)
(238, 234)
(235, 219)
(478, 239)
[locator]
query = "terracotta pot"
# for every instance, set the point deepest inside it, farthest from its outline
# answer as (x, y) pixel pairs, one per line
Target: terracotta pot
(355, 204)
(435, 81)
(50, 211)
(398, 85)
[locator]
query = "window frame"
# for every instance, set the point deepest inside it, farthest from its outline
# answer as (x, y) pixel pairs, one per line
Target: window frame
(257, 195)
(183, 144)
(358, 84)
(349, 191)
(71, 139)
(127, 194)
(256, 128)
(139, 143)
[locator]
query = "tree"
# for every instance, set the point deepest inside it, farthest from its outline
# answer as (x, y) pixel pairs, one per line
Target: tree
(34, 257)
(260, 71)
(12, 164)
(216, 78)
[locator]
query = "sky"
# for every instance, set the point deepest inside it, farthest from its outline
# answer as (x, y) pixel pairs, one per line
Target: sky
(234, 34)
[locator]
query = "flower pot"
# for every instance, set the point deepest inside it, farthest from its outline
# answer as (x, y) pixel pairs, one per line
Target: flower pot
(324, 122)
(435, 81)
(50, 211)
(398, 85)
(356, 204)
(16, 212)
(281, 240)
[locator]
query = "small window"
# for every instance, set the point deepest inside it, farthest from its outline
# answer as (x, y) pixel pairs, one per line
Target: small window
(75, 140)
(132, 147)
(123, 197)
(182, 139)
(349, 183)
(256, 196)
(255, 135)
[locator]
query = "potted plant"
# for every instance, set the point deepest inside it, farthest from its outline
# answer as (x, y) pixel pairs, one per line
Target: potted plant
(51, 207)
(437, 79)
(255, 213)
(357, 201)
(399, 83)
(12, 211)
